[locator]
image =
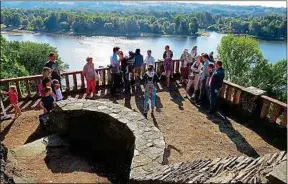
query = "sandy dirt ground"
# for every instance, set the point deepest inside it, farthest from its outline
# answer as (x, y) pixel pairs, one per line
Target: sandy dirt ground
(189, 135)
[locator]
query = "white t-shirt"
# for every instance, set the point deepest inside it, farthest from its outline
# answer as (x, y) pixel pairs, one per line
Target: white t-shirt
(149, 60)
(58, 94)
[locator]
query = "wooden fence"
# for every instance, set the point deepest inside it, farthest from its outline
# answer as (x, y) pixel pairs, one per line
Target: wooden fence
(27, 87)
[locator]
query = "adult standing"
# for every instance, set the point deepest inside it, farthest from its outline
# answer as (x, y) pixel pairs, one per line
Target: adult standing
(115, 70)
(203, 89)
(125, 69)
(184, 66)
(149, 60)
(90, 75)
(53, 65)
(168, 64)
(193, 54)
(215, 84)
(137, 66)
(211, 58)
(194, 77)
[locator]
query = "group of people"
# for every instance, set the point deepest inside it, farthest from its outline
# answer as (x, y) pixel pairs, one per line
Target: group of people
(197, 71)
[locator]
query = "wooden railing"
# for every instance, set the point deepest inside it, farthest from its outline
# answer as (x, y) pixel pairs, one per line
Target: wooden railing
(27, 87)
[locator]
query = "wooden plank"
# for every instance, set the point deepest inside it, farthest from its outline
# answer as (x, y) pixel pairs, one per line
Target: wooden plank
(274, 101)
(67, 82)
(103, 77)
(82, 81)
(177, 67)
(18, 89)
(109, 77)
(265, 108)
(28, 88)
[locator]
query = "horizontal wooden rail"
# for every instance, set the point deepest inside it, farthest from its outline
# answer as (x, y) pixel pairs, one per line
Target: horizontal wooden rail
(27, 87)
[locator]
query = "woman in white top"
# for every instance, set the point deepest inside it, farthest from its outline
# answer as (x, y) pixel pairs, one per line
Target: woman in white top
(194, 77)
(194, 53)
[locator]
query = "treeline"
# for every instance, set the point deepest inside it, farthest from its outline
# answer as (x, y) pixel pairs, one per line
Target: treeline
(132, 22)
(24, 58)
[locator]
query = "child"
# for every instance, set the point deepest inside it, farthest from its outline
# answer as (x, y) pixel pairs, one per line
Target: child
(90, 75)
(47, 102)
(150, 80)
(57, 90)
(13, 95)
(46, 75)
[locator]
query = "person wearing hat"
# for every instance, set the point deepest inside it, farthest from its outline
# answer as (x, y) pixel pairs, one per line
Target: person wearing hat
(184, 66)
(150, 80)
(90, 75)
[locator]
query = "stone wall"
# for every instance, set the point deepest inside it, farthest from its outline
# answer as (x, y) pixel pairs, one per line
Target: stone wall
(104, 126)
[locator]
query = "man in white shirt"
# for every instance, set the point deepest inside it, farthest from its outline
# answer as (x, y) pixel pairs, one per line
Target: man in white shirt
(149, 60)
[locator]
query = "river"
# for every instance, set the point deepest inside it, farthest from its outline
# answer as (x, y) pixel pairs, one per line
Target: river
(74, 49)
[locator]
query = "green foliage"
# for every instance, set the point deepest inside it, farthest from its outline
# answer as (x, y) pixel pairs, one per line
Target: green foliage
(24, 58)
(244, 65)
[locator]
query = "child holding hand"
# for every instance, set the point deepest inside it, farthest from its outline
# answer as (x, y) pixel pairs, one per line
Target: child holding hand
(57, 89)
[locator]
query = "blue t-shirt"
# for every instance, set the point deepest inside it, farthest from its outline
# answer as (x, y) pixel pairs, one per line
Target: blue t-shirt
(48, 102)
(205, 67)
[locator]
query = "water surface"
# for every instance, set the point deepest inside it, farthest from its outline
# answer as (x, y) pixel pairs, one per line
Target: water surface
(74, 49)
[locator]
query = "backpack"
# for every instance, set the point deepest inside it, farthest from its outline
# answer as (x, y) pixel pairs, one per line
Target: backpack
(150, 85)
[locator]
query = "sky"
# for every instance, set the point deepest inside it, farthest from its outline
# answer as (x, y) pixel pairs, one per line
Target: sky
(276, 4)
(260, 3)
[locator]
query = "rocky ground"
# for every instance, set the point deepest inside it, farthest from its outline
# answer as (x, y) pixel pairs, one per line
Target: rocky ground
(189, 134)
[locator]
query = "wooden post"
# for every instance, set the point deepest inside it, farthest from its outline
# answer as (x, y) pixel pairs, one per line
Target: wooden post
(223, 90)
(82, 81)
(67, 83)
(283, 122)
(236, 99)
(103, 77)
(18, 89)
(275, 113)
(75, 82)
(229, 93)
(28, 88)
(177, 66)
(37, 82)
(109, 77)
(265, 109)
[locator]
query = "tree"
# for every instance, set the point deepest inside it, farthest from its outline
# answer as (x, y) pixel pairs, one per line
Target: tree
(244, 65)
(51, 22)
(193, 26)
(239, 55)
(25, 58)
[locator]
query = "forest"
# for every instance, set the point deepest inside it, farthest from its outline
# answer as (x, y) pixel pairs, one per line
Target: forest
(136, 22)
